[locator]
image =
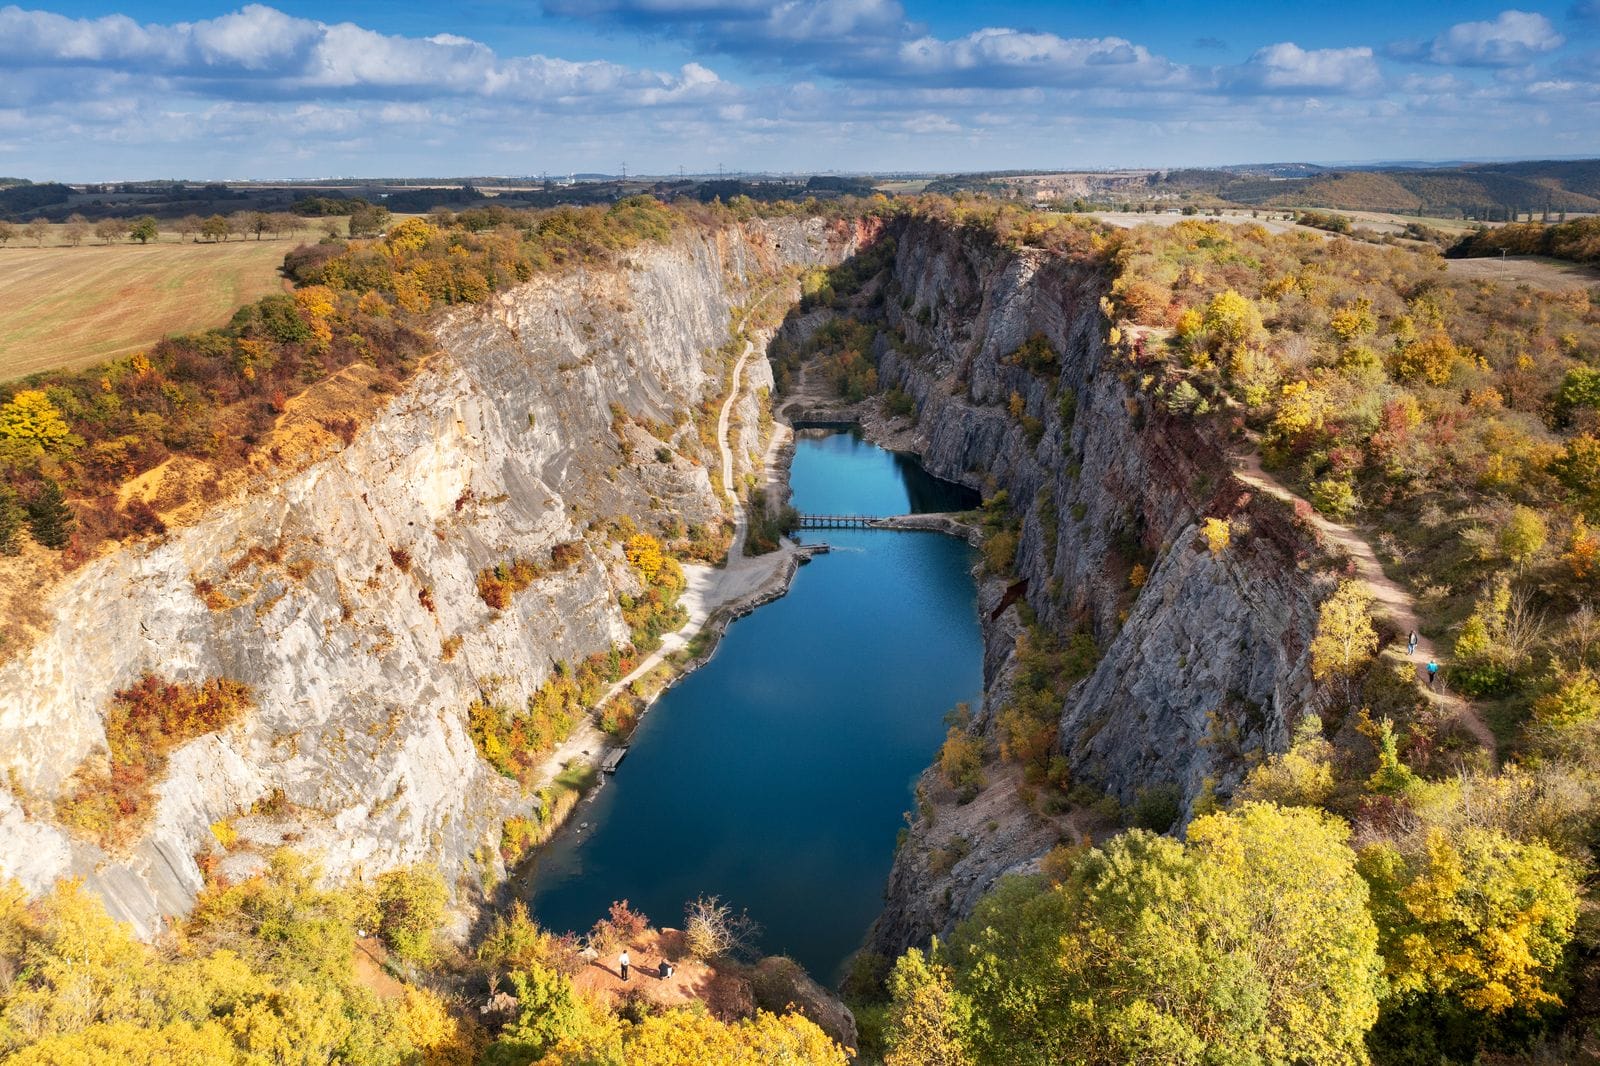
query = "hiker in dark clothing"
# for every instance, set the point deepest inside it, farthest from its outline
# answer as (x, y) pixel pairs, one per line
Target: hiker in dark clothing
(1411, 643)
(623, 962)
(1433, 672)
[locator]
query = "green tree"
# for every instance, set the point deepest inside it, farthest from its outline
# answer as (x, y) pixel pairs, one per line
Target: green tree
(368, 220)
(50, 517)
(1580, 388)
(145, 230)
(929, 1023)
(548, 1012)
(411, 904)
(215, 228)
(1392, 777)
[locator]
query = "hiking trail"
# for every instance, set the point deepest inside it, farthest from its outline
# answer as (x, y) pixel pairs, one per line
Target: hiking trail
(1391, 598)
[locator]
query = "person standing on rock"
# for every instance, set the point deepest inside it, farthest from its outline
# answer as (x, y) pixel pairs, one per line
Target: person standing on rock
(1433, 672)
(623, 962)
(1411, 643)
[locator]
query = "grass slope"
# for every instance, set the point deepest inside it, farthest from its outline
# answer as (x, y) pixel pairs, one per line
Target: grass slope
(72, 307)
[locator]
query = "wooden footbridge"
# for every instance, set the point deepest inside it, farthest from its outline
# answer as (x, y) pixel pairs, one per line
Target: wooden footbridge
(839, 521)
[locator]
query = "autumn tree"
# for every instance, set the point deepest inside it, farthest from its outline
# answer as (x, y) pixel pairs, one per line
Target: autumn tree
(37, 231)
(1345, 638)
(1251, 943)
(929, 1021)
(7, 232)
(76, 229)
(1299, 777)
(1432, 359)
(30, 419)
(1474, 916)
(1232, 320)
(11, 517)
(112, 229)
(1524, 536)
(411, 903)
(1578, 468)
(188, 227)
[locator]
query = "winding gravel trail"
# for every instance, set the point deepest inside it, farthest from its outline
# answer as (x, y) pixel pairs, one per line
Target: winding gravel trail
(1393, 598)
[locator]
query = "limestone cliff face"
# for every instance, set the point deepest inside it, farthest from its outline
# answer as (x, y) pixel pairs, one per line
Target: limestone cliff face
(344, 594)
(1201, 667)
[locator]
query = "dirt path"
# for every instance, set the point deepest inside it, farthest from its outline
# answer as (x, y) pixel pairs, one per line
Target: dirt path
(1392, 599)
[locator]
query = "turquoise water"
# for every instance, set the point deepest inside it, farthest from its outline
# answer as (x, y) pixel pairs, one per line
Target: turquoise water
(776, 775)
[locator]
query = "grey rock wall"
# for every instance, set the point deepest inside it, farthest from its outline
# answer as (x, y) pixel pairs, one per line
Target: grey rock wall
(1202, 670)
(502, 446)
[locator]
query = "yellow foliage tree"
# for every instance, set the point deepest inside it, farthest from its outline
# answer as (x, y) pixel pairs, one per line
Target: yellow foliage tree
(1218, 533)
(1345, 637)
(1431, 359)
(644, 555)
(1232, 320)
(1300, 777)
(1475, 916)
(31, 418)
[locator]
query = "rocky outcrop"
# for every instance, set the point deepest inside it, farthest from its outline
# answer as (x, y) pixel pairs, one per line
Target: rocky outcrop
(1201, 667)
(344, 596)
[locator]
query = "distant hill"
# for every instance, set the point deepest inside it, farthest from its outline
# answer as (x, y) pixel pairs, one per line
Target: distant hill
(1488, 190)
(18, 198)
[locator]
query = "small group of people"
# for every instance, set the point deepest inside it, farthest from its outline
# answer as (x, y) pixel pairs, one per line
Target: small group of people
(1433, 664)
(625, 963)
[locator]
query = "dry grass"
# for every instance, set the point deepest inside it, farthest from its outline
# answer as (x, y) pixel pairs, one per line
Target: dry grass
(1554, 274)
(71, 307)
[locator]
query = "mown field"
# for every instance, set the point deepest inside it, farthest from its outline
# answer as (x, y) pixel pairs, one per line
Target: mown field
(1536, 270)
(71, 307)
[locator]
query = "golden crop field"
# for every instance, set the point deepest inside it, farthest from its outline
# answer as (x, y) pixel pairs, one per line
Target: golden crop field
(73, 307)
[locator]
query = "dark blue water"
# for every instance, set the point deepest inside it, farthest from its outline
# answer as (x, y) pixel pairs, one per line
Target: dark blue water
(776, 775)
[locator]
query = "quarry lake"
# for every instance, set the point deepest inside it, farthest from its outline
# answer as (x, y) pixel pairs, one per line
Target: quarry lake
(777, 775)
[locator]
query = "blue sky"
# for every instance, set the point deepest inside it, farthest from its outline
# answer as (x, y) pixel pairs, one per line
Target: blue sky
(109, 89)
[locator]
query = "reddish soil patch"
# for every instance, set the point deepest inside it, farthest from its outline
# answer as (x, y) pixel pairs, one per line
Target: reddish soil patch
(367, 958)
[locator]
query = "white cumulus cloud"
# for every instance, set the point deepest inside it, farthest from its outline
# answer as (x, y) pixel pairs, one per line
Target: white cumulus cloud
(1512, 38)
(1286, 67)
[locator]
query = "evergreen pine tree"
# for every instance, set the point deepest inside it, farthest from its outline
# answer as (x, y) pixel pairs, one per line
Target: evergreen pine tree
(49, 517)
